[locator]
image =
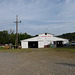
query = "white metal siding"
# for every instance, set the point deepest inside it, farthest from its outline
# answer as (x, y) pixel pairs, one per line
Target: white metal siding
(24, 44)
(40, 44)
(43, 40)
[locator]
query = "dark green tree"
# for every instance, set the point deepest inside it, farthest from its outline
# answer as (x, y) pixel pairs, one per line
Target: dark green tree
(9, 37)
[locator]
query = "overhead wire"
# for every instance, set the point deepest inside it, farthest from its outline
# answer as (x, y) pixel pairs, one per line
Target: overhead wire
(34, 21)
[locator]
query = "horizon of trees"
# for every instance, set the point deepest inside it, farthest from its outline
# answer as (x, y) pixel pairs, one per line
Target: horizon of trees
(69, 36)
(7, 37)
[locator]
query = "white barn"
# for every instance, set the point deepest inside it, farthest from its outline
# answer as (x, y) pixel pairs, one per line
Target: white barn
(43, 40)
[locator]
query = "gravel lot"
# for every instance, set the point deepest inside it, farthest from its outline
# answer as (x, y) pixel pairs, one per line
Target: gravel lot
(37, 63)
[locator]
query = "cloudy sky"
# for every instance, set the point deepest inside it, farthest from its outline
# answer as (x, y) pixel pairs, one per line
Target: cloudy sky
(38, 16)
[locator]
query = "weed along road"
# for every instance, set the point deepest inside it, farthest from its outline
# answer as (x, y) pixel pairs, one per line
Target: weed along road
(37, 62)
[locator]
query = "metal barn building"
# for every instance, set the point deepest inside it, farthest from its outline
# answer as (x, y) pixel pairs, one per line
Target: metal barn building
(43, 40)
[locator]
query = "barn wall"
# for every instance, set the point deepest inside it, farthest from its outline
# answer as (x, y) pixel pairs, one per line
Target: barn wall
(41, 44)
(65, 42)
(46, 42)
(43, 40)
(24, 44)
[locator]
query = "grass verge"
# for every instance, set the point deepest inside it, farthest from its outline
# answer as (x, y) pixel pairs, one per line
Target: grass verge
(68, 49)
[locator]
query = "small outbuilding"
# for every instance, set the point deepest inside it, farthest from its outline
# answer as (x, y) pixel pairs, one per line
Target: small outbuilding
(43, 40)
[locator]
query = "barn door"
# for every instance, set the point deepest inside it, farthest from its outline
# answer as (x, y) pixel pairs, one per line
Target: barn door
(32, 44)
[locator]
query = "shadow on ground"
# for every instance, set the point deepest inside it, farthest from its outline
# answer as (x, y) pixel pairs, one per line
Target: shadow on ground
(67, 64)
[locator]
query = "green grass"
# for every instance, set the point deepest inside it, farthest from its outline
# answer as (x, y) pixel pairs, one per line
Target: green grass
(1, 48)
(69, 49)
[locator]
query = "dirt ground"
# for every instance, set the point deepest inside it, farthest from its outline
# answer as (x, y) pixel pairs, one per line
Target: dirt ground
(37, 63)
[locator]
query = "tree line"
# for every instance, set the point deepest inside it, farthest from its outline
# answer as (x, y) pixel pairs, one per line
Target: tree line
(7, 37)
(69, 36)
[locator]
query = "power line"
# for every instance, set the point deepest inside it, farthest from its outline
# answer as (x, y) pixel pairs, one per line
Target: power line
(10, 21)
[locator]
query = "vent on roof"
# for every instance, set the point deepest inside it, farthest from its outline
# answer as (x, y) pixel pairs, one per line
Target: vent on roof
(45, 33)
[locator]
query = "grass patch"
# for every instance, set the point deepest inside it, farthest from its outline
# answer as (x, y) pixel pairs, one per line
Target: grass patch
(18, 50)
(1, 48)
(69, 49)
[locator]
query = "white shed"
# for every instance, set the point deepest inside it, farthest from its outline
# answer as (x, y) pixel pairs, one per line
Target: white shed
(43, 40)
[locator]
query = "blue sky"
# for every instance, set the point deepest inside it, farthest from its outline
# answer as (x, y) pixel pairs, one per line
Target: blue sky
(38, 16)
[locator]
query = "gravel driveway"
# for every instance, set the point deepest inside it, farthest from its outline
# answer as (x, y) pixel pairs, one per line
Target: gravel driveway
(37, 63)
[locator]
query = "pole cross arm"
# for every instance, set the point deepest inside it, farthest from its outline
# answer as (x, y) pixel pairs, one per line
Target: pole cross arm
(17, 22)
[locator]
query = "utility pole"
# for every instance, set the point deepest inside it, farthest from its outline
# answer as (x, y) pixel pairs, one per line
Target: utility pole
(17, 30)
